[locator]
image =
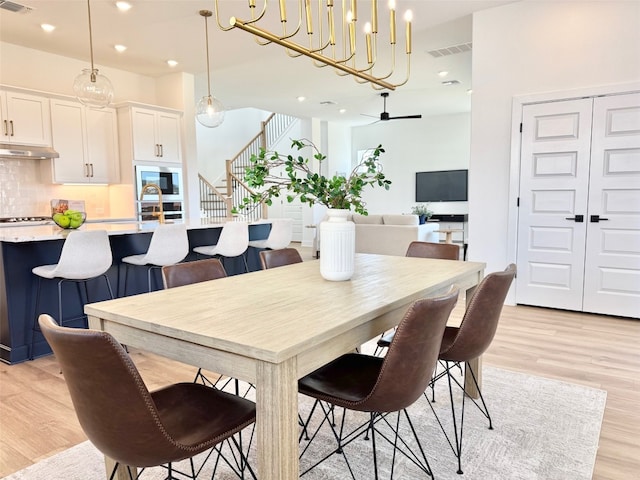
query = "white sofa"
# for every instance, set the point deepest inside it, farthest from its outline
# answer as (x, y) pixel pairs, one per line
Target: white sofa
(391, 234)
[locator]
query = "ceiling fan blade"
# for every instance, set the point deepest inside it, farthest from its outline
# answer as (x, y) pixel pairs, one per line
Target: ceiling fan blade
(372, 116)
(405, 116)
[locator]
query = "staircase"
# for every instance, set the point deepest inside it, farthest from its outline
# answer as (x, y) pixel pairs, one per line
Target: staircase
(218, 201)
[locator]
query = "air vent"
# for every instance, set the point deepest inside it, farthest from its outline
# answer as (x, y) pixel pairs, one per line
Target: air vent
(443, 52)
(328, 102)
(14, 7)
(451, 82)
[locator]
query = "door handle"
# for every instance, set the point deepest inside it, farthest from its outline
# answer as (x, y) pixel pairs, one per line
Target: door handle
(577, 218)
(11, 124)
(6, 129)
(597, 218)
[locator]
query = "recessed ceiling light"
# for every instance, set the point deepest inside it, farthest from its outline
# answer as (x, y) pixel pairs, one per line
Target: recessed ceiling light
(343, 110)
(172, 63)
(123, 6)
(47, 28)
(443, 73)
(120, 48)
(301, 98)
(469, 91)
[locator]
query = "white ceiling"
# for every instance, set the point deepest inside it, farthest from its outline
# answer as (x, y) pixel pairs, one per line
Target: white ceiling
(244, 74)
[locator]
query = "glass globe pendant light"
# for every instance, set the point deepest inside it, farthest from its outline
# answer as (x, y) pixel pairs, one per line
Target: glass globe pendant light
(209, 110)
(91, 88)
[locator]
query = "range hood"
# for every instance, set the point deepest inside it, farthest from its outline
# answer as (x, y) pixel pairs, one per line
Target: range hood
(8, 150)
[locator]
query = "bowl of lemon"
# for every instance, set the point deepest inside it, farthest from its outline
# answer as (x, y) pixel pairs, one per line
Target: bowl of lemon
(69, 219)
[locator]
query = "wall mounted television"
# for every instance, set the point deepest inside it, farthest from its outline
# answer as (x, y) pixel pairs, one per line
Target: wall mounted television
(441, 186)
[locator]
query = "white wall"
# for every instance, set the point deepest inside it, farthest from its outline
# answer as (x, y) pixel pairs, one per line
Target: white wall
(37, 70)
(526, 48)
(338, 150)
(431, 143)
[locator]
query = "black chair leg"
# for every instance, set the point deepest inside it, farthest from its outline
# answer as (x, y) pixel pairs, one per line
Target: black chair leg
(343, 439)
(458, 419)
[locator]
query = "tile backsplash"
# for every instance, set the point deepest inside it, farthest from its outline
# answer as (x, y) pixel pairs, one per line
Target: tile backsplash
(23, 193)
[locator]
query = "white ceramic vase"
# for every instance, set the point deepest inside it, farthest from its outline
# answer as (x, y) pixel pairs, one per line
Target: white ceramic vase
(337, 246)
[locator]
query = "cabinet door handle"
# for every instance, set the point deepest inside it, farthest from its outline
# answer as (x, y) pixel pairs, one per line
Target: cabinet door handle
(597, 218)
(11, 124)
(91, 169)
(577, 218)
(86, 169)
(6, 128)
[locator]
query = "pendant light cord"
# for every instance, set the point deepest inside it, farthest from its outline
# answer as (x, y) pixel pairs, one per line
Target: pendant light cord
(90, 34)
(206, 14)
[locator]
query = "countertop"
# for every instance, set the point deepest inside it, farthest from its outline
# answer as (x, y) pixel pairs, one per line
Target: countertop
(39, 233)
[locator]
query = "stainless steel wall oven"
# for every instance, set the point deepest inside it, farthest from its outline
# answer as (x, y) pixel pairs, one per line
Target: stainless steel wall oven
(170, 181)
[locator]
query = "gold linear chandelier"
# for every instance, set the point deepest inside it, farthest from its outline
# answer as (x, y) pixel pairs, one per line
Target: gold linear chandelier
(332, 42)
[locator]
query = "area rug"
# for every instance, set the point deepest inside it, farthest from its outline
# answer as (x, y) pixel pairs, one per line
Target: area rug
(543, 429)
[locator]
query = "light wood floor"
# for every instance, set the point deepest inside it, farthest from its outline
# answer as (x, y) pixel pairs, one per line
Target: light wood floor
(37, 419)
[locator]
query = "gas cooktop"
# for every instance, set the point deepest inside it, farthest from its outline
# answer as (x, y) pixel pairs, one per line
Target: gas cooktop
(24, 221)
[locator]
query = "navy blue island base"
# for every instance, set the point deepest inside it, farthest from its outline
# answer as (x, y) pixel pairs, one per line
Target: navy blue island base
(18, 283)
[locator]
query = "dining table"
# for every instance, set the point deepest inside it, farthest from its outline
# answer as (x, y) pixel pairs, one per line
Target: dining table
(272, 327)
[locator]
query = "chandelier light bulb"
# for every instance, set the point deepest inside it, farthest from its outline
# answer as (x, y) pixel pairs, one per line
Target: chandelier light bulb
(210, 112)
(93, 89)
(328, 49)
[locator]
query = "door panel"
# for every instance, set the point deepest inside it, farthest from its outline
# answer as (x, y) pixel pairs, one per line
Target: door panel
(612, 263)
(553, 191)
(294, 211)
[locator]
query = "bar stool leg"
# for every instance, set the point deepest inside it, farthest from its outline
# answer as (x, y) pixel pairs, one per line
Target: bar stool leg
(126, 278)
(60, 319)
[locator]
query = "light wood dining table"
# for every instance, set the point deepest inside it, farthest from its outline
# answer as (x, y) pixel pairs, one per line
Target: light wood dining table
(272, 327)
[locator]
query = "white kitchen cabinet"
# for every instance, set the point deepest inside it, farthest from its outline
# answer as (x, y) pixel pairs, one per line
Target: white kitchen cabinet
(156, 135)
(25, 118)
(87, 141)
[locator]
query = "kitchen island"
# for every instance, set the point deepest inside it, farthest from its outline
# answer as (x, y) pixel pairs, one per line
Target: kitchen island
(25, 247)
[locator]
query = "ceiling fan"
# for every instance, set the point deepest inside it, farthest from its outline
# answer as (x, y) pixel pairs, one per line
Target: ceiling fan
(384, 115)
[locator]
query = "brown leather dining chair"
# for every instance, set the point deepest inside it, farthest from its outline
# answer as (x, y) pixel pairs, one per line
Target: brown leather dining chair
(382, 385)
(192, 272)
(197, 271)
(132, 425)
(444, 251)
(469, 341)
(279, 258)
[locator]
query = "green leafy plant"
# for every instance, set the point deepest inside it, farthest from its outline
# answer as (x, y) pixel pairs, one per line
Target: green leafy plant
(301, 181)
(422, 209)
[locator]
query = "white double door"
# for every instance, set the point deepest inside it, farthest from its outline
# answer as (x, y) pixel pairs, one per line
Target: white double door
(579, 216)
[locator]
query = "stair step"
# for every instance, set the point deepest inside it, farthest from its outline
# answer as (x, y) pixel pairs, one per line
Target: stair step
(274, 131)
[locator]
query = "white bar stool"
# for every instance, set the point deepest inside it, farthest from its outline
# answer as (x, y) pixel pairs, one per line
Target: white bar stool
(169, 245)
(280, 235)
(233, 242)
(85, 255)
